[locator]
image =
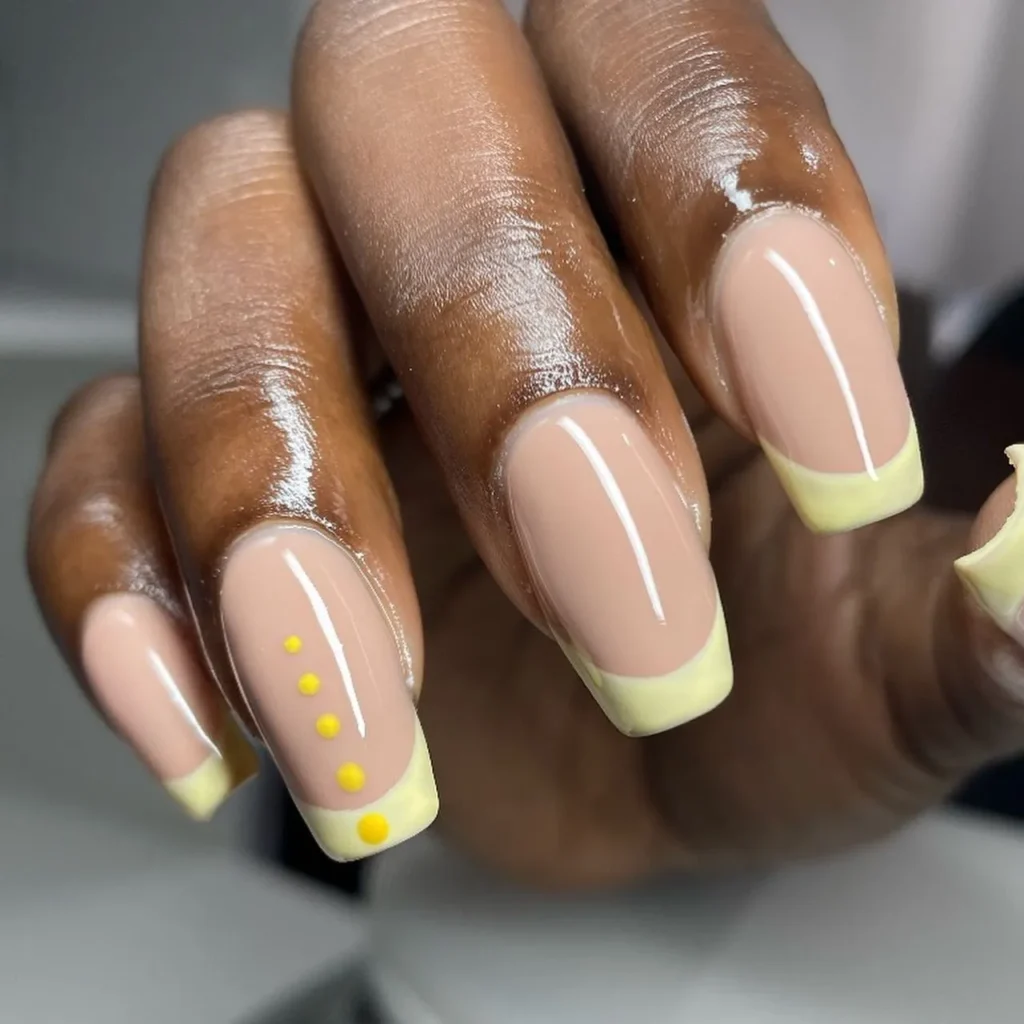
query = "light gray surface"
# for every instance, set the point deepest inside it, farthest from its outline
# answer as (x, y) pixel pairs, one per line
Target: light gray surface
(102, 924)
(52, 746)
(924, 928)
(90, 96)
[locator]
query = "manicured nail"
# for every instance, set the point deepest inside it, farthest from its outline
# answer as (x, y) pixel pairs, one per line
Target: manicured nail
(320, 667)
(617, 563)
(816, 370)
(147, 679)
(995, 571)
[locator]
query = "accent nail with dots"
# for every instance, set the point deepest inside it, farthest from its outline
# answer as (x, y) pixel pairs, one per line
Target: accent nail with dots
(319, 665)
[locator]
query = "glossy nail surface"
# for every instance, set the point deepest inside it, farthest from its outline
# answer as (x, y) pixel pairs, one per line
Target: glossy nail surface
(816, 369)
(146, 678)
(320, 667)
(617, 562)
(995, 571)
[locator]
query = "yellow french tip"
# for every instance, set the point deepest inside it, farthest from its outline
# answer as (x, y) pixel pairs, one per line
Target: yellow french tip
(837, 502)
(641, 706)
(995, 572)
(201, 792)
(406, 809)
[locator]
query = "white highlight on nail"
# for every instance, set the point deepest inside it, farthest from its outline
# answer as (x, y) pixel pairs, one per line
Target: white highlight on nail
(323, 617)
(810, 307)
(163, 673)
(621, 506)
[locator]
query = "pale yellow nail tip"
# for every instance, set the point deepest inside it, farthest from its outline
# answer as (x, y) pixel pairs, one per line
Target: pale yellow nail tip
(837, 502)
(203, 791)
(641, 706)
(995, 572)
(407, 808)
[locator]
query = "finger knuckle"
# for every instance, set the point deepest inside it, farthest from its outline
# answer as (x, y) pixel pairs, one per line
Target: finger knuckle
(222, 159)
(113, 398)
(347, 26)
(504, 250)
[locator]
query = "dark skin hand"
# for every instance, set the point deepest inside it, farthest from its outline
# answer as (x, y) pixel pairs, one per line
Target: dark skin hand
(420, 207)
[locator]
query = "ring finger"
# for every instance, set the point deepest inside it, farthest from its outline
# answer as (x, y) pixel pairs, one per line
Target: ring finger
(279, 509)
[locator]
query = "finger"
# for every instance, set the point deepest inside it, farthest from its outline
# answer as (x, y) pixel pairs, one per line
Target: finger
(106, 583)
(750, 233)
(952, 641)
(450, 189)
(279, 507)
(993, 574)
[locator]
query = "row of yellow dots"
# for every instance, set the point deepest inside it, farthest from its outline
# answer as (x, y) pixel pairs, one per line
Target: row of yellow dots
(372, 828)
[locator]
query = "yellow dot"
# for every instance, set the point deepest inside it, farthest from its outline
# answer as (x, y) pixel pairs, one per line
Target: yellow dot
(293, 645)
(328, 726)
(373, 829)
(309, 684)
(351, 777)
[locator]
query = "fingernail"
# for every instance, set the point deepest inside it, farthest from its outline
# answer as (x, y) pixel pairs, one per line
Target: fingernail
(816, 370)
(320, 667)
(617, 563)
(994, 572)
(152, 688)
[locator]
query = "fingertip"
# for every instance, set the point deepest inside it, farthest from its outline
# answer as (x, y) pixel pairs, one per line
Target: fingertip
(644, 706)
(993, 571)
(840, 502)
(202, 792)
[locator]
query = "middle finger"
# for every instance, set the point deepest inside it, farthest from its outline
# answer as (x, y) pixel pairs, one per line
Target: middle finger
(451, 191)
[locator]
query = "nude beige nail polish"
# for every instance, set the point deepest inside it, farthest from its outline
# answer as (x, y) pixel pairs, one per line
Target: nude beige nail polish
(146, 678)
(320, 667)
(617, 562)
(816, 369)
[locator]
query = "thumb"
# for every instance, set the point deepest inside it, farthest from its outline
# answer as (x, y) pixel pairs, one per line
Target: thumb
(948, 599)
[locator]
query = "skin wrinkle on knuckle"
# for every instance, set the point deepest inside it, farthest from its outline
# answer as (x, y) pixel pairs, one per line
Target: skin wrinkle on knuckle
(508, 285)
(339, 28)
(224, 149)
(247, 385)
(700, 95)
(694, 108)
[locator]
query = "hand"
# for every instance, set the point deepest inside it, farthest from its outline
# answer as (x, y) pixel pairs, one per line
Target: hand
(237, 499)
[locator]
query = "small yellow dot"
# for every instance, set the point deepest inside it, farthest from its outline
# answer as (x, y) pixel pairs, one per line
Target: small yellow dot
(309, 684)
(328, 726)
(293, 645)
(351, 777)
(373, 829)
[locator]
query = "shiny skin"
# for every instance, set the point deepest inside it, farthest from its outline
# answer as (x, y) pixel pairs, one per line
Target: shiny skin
(425, 148)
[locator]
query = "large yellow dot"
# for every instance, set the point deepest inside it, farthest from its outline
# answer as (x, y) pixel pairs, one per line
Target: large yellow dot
(373, 829)
(351, 777)
(309, 684)
(328, 726)
(293, 645)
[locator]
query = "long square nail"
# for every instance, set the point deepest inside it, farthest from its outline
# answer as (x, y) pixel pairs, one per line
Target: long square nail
(149, 682)
(319, 665)
(816, 370)
(617, 563)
